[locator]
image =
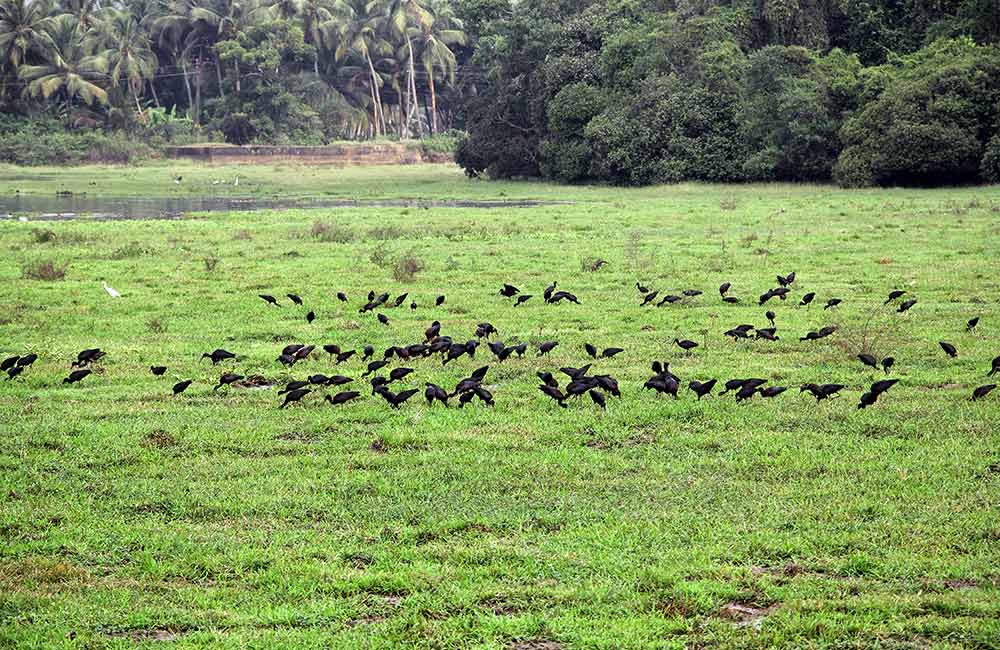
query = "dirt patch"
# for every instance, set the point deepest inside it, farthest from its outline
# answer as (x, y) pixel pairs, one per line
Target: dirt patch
(379, 446)
(365, 620)
(534, 644)
(745, 614)
(789, 570)
(298, 436)
(675, 608)
(159, 439)
(148, 634)
(961, 584)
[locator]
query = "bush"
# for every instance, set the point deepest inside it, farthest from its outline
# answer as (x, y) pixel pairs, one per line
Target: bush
(331, 232)
(48, 271)
(407, 267)
(931, 124)
(989, 168)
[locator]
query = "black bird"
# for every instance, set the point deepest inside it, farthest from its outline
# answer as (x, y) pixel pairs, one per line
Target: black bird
(218, 355)
(591, 350)
(157, 370)
(439, 301)
(227, 379)
(14, 371)
(294, 385)
(331, 349)
(806, 299)
(522, 299)
(294, 298)
(344, 356)
(767, 334)
(400, 299)
(787, 280)
(521, 348)
(375, 366)
(27, 360)
(767, 295)
(547, 378)
(982, 391)
(91, 355)
(8, 363)
(341, 296)
(737, 384)
(598, 398)
(641, 288)
(832, 302)
(772, 391)
(971, 325)
(343, 397)
(413, 305)
(294, 396)
(547, 347)
(691, 293)
(485, 396)
(435, 392)
(580, 386)
(671, 299)
(702, 388)
(770, 317)
(367, 351)
(397, 399)
(882, 386)
(382, 318)
(181, 386)
(949, 349)
(888, 363)
(649, 297)
(905, 306)
(318, 379)
(271, 300)
(547, 294)
(371, 295)
(338, 380)
(868, 360)
(821, 392)
(76, 375)
(685, 345)
(747, 391)
(398, 373)
(609, 384)
(455, 351)
(465, 398)
(894, 295)
(576, 373)
(868, 399)
(564, 295)
(723, 288)
(304, 352)
(292, 348)
(433, 331)
(610, 352)
(732, 300)
(509, 291)
(310, 317)
(554, 393)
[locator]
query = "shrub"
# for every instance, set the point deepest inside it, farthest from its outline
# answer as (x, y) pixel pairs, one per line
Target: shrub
(48, 271)
(43, 235)
(407, 267)
(331, 232)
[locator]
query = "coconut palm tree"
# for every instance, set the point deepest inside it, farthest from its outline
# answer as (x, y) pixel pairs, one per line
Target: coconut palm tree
(22, 30)
(86, 13)
(358, 34)
(433, 42)
(125, 44)
(67, 66)
(401, 15)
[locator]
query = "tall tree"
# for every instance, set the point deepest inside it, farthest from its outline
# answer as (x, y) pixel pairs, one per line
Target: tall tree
(433, 41)
(67, 66)
(127, 47)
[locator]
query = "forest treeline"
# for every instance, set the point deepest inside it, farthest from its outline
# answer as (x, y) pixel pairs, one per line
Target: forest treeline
(867, 92)
(263, 71)
(864, 92)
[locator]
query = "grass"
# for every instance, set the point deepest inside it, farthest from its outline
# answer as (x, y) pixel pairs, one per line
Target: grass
(216, 520)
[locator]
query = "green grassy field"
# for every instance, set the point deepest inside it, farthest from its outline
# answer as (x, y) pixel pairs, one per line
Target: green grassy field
(214, 519)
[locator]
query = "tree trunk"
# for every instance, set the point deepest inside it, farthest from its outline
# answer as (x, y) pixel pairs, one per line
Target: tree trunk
(236, 68)
(434, 103)
(197, 92)
(414, 104)
(187, 86)
(218, 75)
(152, 90)
(380, 115)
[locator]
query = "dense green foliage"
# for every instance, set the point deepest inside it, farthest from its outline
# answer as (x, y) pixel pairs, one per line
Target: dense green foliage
(643, 92)
(263, 71)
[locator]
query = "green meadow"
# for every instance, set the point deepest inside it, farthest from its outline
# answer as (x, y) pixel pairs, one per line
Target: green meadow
(214, 519)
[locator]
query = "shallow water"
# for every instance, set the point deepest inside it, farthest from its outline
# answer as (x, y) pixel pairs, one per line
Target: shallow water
(81, 206)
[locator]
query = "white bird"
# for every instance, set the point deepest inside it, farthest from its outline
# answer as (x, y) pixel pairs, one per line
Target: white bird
(111, 290)
(237, 181)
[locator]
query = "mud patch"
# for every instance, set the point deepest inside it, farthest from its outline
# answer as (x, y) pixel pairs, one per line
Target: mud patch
(961, 584)
(159, 439)
(147, 634)
(745, 614)
(534, 644)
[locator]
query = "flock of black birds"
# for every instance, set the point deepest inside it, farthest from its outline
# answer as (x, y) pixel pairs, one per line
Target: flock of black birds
(579, 380)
